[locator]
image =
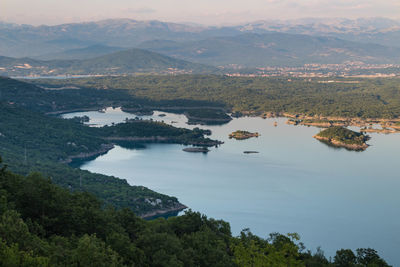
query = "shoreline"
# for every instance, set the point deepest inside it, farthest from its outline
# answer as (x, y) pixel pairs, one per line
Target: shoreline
(163, 139)
(161, 212)
(293, 118)
(60, 112)
(337, 143)
(82, 156)
(103, 150)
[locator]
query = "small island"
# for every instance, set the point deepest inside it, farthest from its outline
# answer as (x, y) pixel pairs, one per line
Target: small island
(196, 149)
(250, 152)
(241, 135)
(343, 137)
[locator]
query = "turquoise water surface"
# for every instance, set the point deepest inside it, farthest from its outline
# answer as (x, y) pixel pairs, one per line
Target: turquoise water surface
(332, 197)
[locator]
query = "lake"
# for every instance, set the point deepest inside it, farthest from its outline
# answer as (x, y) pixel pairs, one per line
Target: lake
(334, 198)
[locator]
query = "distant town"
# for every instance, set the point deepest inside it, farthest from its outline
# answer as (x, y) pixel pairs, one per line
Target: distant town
(349, 69)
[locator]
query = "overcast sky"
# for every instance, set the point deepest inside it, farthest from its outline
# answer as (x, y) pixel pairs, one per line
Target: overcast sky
(209, 12)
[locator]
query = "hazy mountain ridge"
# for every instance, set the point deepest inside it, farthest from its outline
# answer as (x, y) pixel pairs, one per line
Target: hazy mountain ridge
(73, 41)
(274, 49)
(338, 25)
(81, 53)
(123, 62)
(27, 40)
(367, 30)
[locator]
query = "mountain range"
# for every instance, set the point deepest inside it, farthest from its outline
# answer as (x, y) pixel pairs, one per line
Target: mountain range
(27, 40)
(101, 47)
(122, 62)
(274, 49)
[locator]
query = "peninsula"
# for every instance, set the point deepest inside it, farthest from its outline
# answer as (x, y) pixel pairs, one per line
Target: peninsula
(343, 137)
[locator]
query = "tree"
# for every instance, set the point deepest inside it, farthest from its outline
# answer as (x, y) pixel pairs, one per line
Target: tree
(345, 258)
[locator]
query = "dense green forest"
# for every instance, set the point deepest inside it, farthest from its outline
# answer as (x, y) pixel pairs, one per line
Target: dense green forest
(344, 135)
(32, 141)
(42, 224)
(364, 98)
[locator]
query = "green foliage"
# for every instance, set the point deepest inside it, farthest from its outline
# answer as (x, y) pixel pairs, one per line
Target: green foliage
(207, 116)
(12, 256)
(368, 98)
(345, 258)
(42, 224)
(93, 252)
(35, 142)
(278, 250)
(32, 141)
(343, 135)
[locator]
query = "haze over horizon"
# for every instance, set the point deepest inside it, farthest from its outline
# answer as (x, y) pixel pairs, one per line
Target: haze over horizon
(206, 12)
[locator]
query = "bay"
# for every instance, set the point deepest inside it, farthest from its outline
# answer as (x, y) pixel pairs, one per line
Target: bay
(334, 198)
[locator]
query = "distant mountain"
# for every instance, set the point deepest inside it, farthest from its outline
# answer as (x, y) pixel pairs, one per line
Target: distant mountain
(367, 30)
(54, 41)
(27, 40)
(81, 53)
(123, 62)
(274, 49)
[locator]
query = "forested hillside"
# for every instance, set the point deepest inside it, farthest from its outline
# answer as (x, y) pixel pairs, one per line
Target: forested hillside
(32, 141)
(363, 98)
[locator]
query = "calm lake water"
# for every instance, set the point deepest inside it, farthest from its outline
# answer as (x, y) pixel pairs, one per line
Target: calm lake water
(332, 197)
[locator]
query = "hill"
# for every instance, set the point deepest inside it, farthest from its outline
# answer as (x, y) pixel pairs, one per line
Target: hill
(274, 49)
(31, 141)
(81, 53)
(122, 62)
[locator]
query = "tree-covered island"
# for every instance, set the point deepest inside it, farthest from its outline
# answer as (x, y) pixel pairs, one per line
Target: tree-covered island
(343, 137)
(207, 116)
(241, 135)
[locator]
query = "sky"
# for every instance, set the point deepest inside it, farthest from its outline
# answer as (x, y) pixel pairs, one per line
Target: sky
(207, 12)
